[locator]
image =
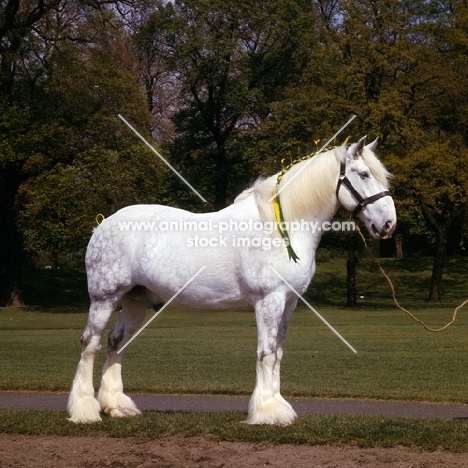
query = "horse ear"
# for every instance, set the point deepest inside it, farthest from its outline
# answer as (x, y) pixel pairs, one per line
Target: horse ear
(355, 150)
(372, 146)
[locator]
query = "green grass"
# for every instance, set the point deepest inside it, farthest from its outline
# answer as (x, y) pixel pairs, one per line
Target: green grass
(209, 352)
(361, 431)
(184, 352)
(56, 290)
(214, 353)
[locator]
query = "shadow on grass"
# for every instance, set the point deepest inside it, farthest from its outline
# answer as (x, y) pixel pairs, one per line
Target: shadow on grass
(411, 278)
(56, 290)
(66, 290)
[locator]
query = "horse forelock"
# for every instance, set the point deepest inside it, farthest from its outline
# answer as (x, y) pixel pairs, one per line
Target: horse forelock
(376, 167)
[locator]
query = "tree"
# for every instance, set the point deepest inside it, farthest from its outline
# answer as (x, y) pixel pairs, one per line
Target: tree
(16, 23)
(62, 87)
(434, 172)
(231, 60)
(161, 86)
(402, 68)
(63, 205)
(436, 177)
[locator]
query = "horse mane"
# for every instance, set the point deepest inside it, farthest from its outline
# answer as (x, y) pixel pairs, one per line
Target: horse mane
(313, 188)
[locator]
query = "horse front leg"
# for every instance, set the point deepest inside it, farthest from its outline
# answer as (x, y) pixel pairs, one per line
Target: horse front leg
(267, 406)
(111, 395)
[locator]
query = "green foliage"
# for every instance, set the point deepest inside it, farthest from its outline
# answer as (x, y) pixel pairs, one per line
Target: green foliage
(246, 84)
(62, 204)
(438, 172)
(77, 158)
(401, 68)
(232, 59)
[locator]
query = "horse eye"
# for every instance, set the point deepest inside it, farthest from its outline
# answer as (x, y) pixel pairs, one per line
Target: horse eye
(364, 175)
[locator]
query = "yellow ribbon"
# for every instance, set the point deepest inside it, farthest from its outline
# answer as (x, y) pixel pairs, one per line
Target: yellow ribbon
(99, 218)
(277, 204)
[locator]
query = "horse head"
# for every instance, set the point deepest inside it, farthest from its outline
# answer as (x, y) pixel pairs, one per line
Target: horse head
(362, 189)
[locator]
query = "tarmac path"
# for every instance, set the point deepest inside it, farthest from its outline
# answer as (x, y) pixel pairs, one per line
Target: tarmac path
(220, 403)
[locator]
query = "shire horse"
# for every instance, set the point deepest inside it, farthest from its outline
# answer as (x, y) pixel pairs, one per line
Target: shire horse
(146, 268)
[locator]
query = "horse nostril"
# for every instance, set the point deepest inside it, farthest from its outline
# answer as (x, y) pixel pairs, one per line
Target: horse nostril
(388, 226)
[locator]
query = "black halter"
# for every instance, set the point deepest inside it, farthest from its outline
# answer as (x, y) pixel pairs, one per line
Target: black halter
(362, 202)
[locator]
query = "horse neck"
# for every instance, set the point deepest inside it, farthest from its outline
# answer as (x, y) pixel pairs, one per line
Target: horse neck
(312, 193)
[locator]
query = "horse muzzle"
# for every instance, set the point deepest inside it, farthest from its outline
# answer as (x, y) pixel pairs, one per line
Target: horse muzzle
(385, 231)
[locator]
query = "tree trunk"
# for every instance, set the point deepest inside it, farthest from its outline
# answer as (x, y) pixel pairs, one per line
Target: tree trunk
(435, 293)
(220, 193)
(351, 296)
(398, 237)
(455, 233)
(440, 230)
(54, 258)
(10, 247)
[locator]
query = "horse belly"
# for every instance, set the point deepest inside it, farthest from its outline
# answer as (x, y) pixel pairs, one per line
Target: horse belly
(198, 278)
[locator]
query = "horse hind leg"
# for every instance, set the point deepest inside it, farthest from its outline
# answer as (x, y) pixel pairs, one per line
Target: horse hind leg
(111, 395)
(82, 404)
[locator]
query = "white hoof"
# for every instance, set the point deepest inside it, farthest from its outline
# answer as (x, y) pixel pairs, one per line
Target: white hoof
(84, 410)
(118, 405)
(275, 410)
(121, 413)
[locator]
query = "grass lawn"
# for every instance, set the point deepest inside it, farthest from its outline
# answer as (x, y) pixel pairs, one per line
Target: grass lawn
(208, 352)
(361, 431)
(215, 353)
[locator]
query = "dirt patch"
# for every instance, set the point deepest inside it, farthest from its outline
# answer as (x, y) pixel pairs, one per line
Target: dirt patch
(198, 452)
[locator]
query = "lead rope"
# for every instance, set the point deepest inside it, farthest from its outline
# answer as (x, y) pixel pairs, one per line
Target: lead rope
(395, 300)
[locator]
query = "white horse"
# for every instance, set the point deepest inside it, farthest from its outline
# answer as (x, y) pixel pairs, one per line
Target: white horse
(142, 256)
